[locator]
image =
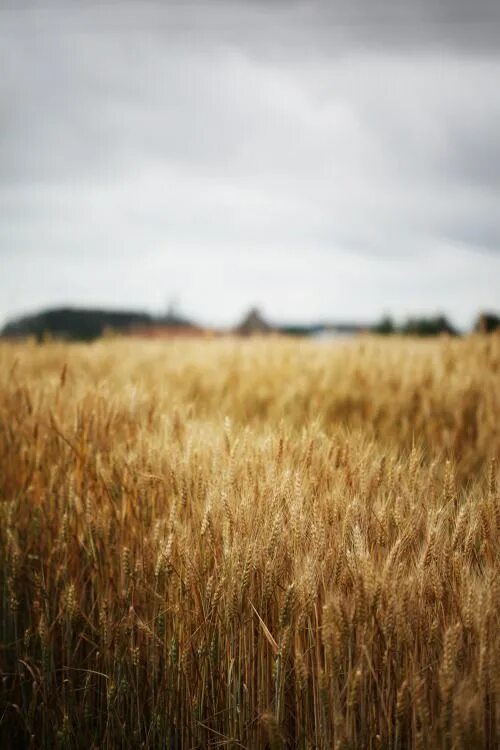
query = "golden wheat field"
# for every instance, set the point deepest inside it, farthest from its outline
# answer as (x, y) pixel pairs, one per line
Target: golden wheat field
(254, 543)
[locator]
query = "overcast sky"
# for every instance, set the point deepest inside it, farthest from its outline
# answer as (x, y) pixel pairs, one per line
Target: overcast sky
(323, 160)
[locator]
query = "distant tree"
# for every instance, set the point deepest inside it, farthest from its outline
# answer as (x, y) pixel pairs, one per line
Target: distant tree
(385, 326)
(432, 326)
(253, 322)
(487, 322)
(73, 323)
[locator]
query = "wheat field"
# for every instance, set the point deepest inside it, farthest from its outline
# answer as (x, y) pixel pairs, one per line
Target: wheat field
(257, 543)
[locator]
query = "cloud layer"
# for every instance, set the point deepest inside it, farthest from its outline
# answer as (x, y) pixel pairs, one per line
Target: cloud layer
(322, 160)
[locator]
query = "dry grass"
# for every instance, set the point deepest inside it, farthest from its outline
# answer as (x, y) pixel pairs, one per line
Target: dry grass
(250, 544)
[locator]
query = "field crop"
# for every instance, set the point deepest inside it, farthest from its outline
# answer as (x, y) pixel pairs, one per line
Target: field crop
(250, 544)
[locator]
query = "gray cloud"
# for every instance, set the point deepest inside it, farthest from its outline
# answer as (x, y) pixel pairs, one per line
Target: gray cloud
(273, 25)
(287, 148)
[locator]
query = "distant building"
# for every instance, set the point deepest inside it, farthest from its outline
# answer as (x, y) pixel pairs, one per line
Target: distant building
(166, 331)
(324, 330)
(167, 326)
(253, 323)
